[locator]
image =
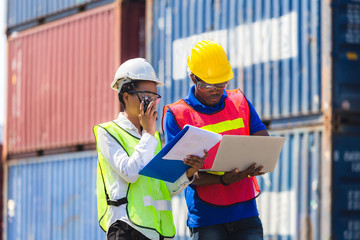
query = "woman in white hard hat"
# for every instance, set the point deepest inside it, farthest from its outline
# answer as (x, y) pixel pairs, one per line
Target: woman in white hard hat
(132, 206)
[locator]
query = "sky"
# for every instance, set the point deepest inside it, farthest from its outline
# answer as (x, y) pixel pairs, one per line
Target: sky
(2, 62)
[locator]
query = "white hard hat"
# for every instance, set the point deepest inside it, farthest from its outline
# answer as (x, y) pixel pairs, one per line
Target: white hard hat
(134, 69)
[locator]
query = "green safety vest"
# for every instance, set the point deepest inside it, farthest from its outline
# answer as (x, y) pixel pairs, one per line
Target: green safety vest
(148, 199)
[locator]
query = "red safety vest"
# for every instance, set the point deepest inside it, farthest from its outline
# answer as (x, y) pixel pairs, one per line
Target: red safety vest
(233, 119)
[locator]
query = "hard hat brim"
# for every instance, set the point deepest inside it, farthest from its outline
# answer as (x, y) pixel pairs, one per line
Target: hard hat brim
(116, 84)
(221, 79)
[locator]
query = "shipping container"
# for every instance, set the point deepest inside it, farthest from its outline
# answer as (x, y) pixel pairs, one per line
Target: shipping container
(54, 197)
(279, 50)
(23, 14)
(346, 55)
(289, 204)
(59, 76)
(314, 190)
(298, 63)
(273, 46)
(293, 203)
(346, 190)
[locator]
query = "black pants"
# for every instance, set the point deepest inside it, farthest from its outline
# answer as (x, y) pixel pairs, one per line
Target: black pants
(120, 230)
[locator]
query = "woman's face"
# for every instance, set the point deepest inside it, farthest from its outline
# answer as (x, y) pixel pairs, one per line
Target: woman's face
(144, 89)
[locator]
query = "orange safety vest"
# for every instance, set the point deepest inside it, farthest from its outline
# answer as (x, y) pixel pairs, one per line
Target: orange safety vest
(233, 119)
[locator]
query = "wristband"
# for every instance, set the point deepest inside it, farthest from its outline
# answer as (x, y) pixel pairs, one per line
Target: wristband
(222, 181)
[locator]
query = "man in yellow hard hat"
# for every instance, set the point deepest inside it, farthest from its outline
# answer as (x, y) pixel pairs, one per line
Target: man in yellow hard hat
(220, 206)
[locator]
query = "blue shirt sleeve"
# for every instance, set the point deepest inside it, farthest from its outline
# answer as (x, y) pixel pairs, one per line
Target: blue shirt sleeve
(255, 122)
(170, 127)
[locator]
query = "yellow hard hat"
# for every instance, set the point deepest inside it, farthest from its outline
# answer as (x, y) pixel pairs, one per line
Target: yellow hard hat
(209, 62)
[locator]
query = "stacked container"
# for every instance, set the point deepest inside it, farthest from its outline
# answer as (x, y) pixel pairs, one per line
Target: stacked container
(23, 14)
(61, 59)
(298, 63)
(345, 134)
(59, 73)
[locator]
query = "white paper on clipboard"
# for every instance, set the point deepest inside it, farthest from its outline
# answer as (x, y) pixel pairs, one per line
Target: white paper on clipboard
(194, 141)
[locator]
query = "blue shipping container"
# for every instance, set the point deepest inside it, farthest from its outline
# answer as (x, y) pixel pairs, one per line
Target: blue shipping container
(346, 55)
(298, 63)
(289, 204)
(54, 197)
(346, 191)
(27, 12)
(273, 46)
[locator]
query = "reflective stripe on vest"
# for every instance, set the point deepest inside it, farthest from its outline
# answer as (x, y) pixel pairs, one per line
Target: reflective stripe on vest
(148, 199)
(233, 119)
(159, 205)
(225, 126)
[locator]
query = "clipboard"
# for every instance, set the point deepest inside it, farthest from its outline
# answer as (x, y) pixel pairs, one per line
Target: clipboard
(168, 164)
(242, 151)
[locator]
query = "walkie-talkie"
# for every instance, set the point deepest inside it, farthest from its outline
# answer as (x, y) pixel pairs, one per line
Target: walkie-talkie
(146, 104)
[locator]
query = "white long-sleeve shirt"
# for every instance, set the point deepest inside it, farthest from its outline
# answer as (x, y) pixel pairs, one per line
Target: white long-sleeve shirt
(126, 169)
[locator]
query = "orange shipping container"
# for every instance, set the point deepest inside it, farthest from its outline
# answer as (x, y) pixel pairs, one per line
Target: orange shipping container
(59, 76)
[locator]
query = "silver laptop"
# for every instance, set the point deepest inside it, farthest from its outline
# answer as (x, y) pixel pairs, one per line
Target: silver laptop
(242, 151)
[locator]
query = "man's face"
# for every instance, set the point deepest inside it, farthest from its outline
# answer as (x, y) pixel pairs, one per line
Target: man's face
(208, 94)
